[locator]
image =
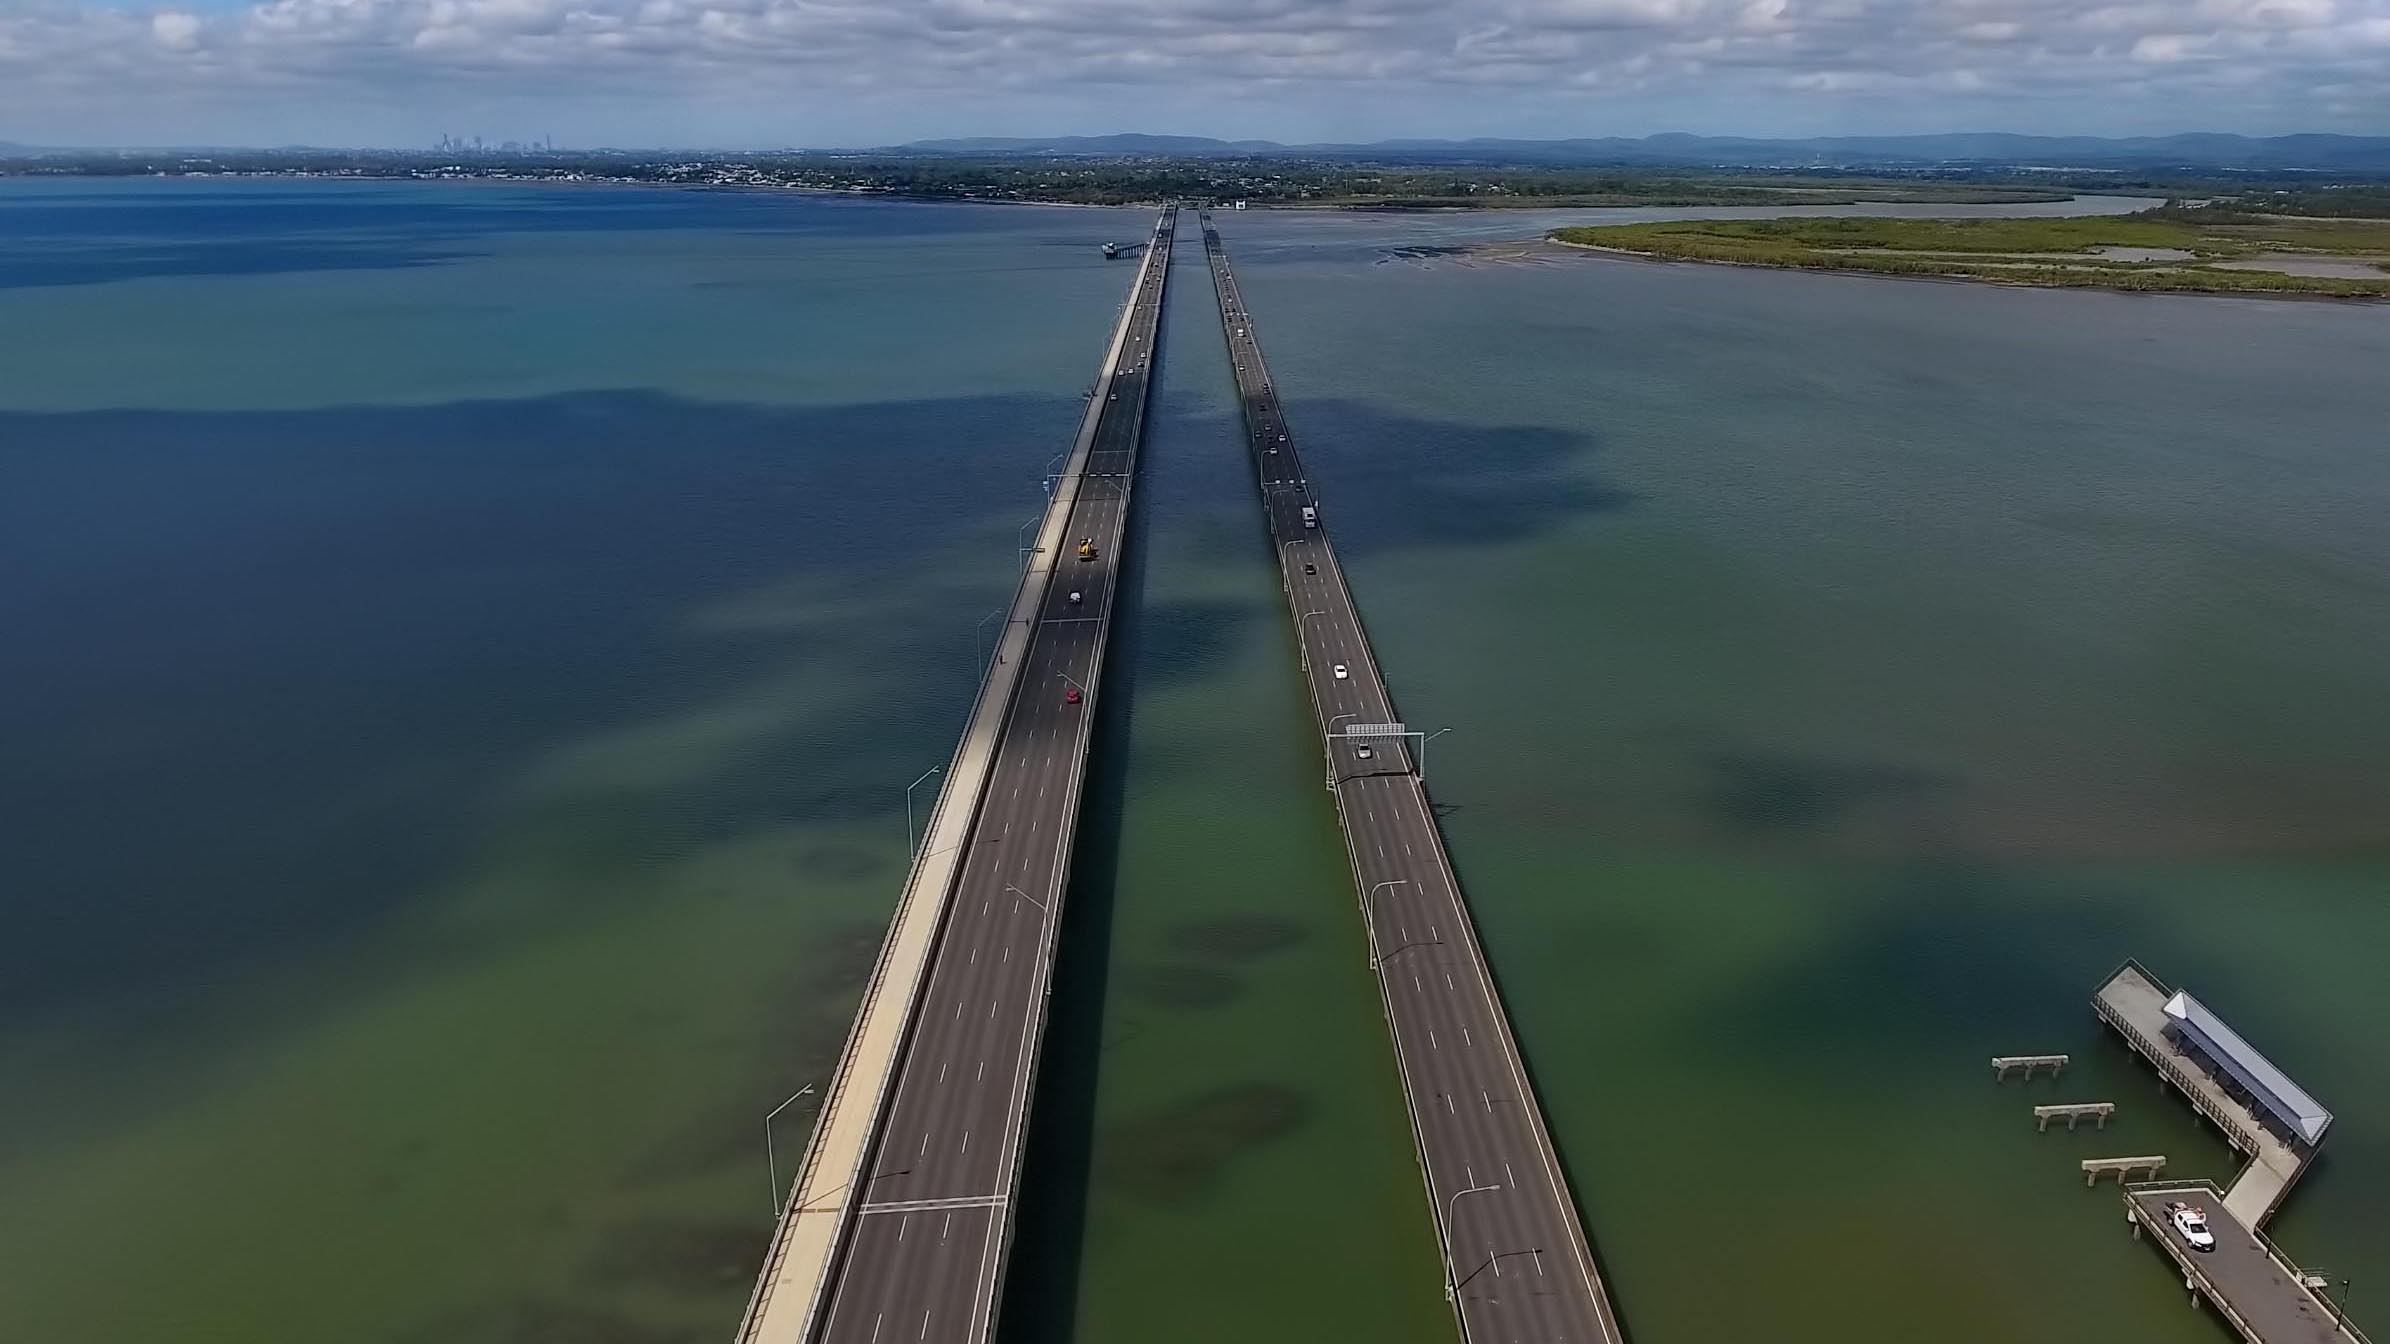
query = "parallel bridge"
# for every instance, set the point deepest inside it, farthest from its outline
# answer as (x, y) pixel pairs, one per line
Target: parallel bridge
(900, 1217)
(1518, 1267)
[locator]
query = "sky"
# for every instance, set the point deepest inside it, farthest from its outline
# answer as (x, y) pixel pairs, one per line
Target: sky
(825, 73)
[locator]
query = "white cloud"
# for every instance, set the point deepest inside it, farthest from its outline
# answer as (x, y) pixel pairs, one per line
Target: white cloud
(174, 30)
(1566, 66)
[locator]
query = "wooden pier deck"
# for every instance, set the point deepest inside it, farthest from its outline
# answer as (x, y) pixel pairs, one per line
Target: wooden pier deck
(2260, 1292)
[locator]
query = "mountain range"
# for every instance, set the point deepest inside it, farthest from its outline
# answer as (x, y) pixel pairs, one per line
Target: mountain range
(2335, 153)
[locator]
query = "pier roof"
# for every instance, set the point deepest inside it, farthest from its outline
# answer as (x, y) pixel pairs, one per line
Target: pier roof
(2273, 1089)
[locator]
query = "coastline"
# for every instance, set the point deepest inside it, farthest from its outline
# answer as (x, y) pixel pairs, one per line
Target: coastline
(1955, 278)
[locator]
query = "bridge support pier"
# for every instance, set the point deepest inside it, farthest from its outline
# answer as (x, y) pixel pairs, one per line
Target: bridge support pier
(2001, 1064)
(2071, 1112)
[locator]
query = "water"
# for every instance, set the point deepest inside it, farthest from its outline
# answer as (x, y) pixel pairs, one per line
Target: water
(468, 644)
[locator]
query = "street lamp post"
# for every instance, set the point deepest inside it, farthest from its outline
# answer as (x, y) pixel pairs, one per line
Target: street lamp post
(1302, 643)
(1369, 916)
(1423, 749)
(1024, 896)
(1452, 1288)
(981, 628)
(913, 846)
(771, 1159)
(1327, 747)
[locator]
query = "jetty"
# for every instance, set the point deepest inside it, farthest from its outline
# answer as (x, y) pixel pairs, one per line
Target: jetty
(2268, 1118)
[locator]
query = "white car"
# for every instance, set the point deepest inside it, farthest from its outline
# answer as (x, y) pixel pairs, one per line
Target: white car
(1341, 674)
(1074, 599)
(1363, 751)
(2192, 1223)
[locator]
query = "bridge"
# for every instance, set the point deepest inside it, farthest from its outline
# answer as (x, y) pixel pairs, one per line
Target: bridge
(900, 1216)
(1517, 1265)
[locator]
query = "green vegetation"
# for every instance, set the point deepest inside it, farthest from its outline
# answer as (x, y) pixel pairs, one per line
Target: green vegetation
(2168, 249)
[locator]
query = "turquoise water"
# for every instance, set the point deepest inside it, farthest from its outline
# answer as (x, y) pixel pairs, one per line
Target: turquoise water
(469, 644)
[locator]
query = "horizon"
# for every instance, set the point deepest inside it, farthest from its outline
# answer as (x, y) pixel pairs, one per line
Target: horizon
(1030, 142)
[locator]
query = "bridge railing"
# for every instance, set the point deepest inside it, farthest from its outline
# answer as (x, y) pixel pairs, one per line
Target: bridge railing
(2193, 1269)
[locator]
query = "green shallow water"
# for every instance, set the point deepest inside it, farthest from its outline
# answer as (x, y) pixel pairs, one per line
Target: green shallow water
(472, 643)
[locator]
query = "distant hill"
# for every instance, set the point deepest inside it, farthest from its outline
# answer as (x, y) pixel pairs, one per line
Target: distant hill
(1193, 146)
(2334, 153)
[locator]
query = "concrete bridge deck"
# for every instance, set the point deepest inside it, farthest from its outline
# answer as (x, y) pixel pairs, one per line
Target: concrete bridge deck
(1518, 1266)
(899, 1218)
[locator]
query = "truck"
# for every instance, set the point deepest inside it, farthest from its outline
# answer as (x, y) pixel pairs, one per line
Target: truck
(1087, 548)
(1310, 516)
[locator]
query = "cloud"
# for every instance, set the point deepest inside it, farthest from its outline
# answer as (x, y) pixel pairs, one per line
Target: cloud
(174, 30)
(1576, 65)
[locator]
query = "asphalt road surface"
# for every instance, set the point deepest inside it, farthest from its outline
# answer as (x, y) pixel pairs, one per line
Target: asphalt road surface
(2240, 1271)
(1517, 1258)
(926, 1257)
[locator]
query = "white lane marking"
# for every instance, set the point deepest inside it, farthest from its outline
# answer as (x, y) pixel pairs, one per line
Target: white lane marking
(1448, 980)
(875, 1327)
(966, 1140)
(1008, 952)
(934, 1205)
(941, 1071)
(1467, 1039)
(982, 1073)
(975, 956)
(925, 1143)
(1489, 1110)
(991, 1009)
(901, 1225)
(925, 1323)
(1431, 1044)
(1448, 1104)
(1416, 987)
(1509, 1179)
(943, 1231)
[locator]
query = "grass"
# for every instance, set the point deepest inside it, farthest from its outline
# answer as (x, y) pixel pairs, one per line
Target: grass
(2025, 251)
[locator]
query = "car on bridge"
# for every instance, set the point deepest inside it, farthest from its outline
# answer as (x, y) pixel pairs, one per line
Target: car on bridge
(2192, 1224)
(1341, 673)
(1070, 695)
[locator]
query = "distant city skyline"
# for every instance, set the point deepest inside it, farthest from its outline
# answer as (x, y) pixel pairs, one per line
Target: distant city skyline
(847, 73)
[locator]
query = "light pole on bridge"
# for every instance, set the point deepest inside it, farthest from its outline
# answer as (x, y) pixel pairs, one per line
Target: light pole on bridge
(1302, 638)
(913, 846)
(1369, 915)
(772, 1159)
(1451, 1288)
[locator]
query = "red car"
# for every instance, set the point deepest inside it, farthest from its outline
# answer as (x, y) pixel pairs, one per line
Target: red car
(1070, 695)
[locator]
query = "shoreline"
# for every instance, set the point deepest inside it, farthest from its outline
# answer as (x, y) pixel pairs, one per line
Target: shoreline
(2310, 296)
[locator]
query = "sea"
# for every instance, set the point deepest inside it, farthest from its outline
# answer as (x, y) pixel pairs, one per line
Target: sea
(464, 646)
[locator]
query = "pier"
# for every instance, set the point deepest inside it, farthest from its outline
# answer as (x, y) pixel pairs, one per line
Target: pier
(899, 1219)
(2264, 1115)
(1517, 1264)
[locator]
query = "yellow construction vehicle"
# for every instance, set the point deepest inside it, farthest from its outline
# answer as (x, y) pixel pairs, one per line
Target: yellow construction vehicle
(1087, 548)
